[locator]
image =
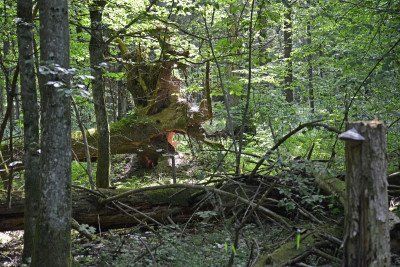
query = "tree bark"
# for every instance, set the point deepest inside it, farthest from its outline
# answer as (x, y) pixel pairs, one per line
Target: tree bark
(145, 134)
(10, 91)
(1, 100)
(311, 97)
(367, 241)
(287, 51)
(122, 101)
(207, 91)
(245, 117)
(97, 48)
(53, 231)
(31, 122)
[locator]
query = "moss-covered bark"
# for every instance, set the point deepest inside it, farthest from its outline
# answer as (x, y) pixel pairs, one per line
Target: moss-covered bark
(145, 134)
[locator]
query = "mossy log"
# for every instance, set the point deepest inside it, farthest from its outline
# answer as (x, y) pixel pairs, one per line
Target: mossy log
(158, 205)
(149, 136)
(288, 254)
(141, 133)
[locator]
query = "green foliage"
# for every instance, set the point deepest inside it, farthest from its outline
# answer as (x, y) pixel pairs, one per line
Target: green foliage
(209, 246)
(341, 52)
(79, 173)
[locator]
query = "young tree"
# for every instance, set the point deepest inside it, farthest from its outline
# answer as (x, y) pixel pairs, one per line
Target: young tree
(53, 231)
(31, 121)
(96, 49)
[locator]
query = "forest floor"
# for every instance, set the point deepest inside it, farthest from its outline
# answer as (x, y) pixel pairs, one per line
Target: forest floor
(207, 239)
(203, 244)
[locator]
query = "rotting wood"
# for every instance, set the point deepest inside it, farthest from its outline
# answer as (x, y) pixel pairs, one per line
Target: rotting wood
(268, 212)
(367, 240)
(287, 254)
(157, 204)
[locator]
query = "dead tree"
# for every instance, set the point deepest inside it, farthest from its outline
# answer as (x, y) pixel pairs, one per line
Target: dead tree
(367, 241)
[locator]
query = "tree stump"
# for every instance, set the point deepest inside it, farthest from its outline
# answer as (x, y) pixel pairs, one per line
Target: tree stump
(366, 241)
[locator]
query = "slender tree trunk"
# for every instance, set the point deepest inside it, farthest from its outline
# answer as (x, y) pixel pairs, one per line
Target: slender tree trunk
(229, 119)
(287, 51)
(17, 106)
(11, 149)
(310, 67)
(96, 48)
(207, 89)
(245, 117)
(85, 144)
(122, 100)
(10, 85)
(113, 85)
(53, 231)
(1, 100)
(31, 122)
(366, 241)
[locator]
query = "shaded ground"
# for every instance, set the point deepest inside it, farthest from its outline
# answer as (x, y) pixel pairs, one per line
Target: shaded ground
(203, 244)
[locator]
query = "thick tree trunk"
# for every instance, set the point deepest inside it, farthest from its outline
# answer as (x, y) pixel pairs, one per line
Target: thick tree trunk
(97, 48)
(31, 122)
(367, 241)
(148, 135)
(53, 231)
(144, 134)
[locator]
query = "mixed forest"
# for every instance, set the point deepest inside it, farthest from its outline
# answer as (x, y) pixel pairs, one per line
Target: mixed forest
(199, 133)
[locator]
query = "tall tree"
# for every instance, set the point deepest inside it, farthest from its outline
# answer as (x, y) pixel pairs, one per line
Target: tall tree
(96, 50)
(287, 50)
(53, 231)
(31, 121)
(311, 97)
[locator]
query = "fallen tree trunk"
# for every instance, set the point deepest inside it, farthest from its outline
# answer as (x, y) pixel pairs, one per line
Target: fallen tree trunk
(155, 206)
(145, 134)
(159, 111)
(149, 136)
(112, 208)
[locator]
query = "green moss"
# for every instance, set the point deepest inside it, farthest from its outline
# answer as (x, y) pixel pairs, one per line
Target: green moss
(289, 251)
(134, 119)
(172, 196)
